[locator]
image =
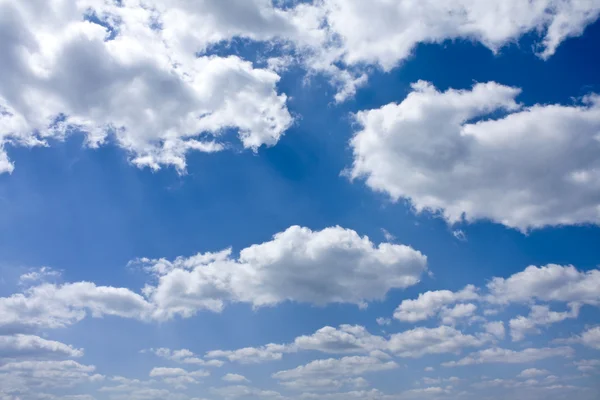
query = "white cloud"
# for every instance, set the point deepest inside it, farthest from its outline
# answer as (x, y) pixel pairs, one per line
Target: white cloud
(587, 365)
(29, 377)
(498, 355)
(183, 356)
(54, 306)
(235, 378)
(539, 316)
(144, 75)
(533, 372)
(426, 149)
(324, 384)
(383, 321)
(589, 338)
(178, 377)
(39, 274)
(495, 328)
(145, 88)
(240, 391)
(29, 346)
(420, 341)
(251, 355)
(451, 316)
(549, 283)
(429, 304)
(333, 367)
(334, 265)
(345, 339)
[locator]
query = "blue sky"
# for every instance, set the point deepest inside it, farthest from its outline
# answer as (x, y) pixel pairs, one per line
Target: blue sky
(361, 175)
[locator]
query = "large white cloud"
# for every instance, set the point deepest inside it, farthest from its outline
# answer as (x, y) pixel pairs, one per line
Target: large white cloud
(334, 265)
(141, 72)
(120, 76)
(517, 169)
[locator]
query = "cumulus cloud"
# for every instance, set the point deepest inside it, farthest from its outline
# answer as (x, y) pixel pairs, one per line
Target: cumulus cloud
(106, 71)
(183, 356)
(428, 149)
(178, 377)
(533, 373)
(539, 316)
(251, 355)
(247, 392)
(55, 306)
(39, 274)
(30, 346)
(142, 74)
(334, 367)
(235, 378)
(31, 377)
(495, 328)
(429, 304)
(548, 283)
(334, 265)
(506, 356)
(589, 338)
(420, 341)
(345, 339)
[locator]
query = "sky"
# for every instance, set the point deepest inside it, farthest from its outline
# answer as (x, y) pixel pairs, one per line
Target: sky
(291, 200)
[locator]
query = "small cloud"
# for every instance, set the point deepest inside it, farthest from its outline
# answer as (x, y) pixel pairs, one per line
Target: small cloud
(235, 378)
(383, 321)
(460, 235)
(387, 235)
(39, 275)
(429, 369)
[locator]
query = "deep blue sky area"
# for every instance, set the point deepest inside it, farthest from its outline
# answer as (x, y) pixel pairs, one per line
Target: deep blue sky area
(89, 212)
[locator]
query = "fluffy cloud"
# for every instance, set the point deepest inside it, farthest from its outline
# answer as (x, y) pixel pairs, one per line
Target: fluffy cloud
(495, 328)
(251, 355)
(420, 341)
(178, 377)
(498, 355)
(403, 25)
(333, 368)
(183, 356)
(29, 377)
(54, 306)
(235, 378)
(539, 316)
(429, 304)
(346, 339)
(533, 372)
(29, 346)
(247, 392)
(549, 283)
(142, 74)
(589, 338)
(334, 265)
(107, 71)
(428, 150)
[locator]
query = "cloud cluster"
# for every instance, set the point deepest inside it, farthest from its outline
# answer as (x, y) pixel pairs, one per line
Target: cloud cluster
(144, 74)
(108, 71)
